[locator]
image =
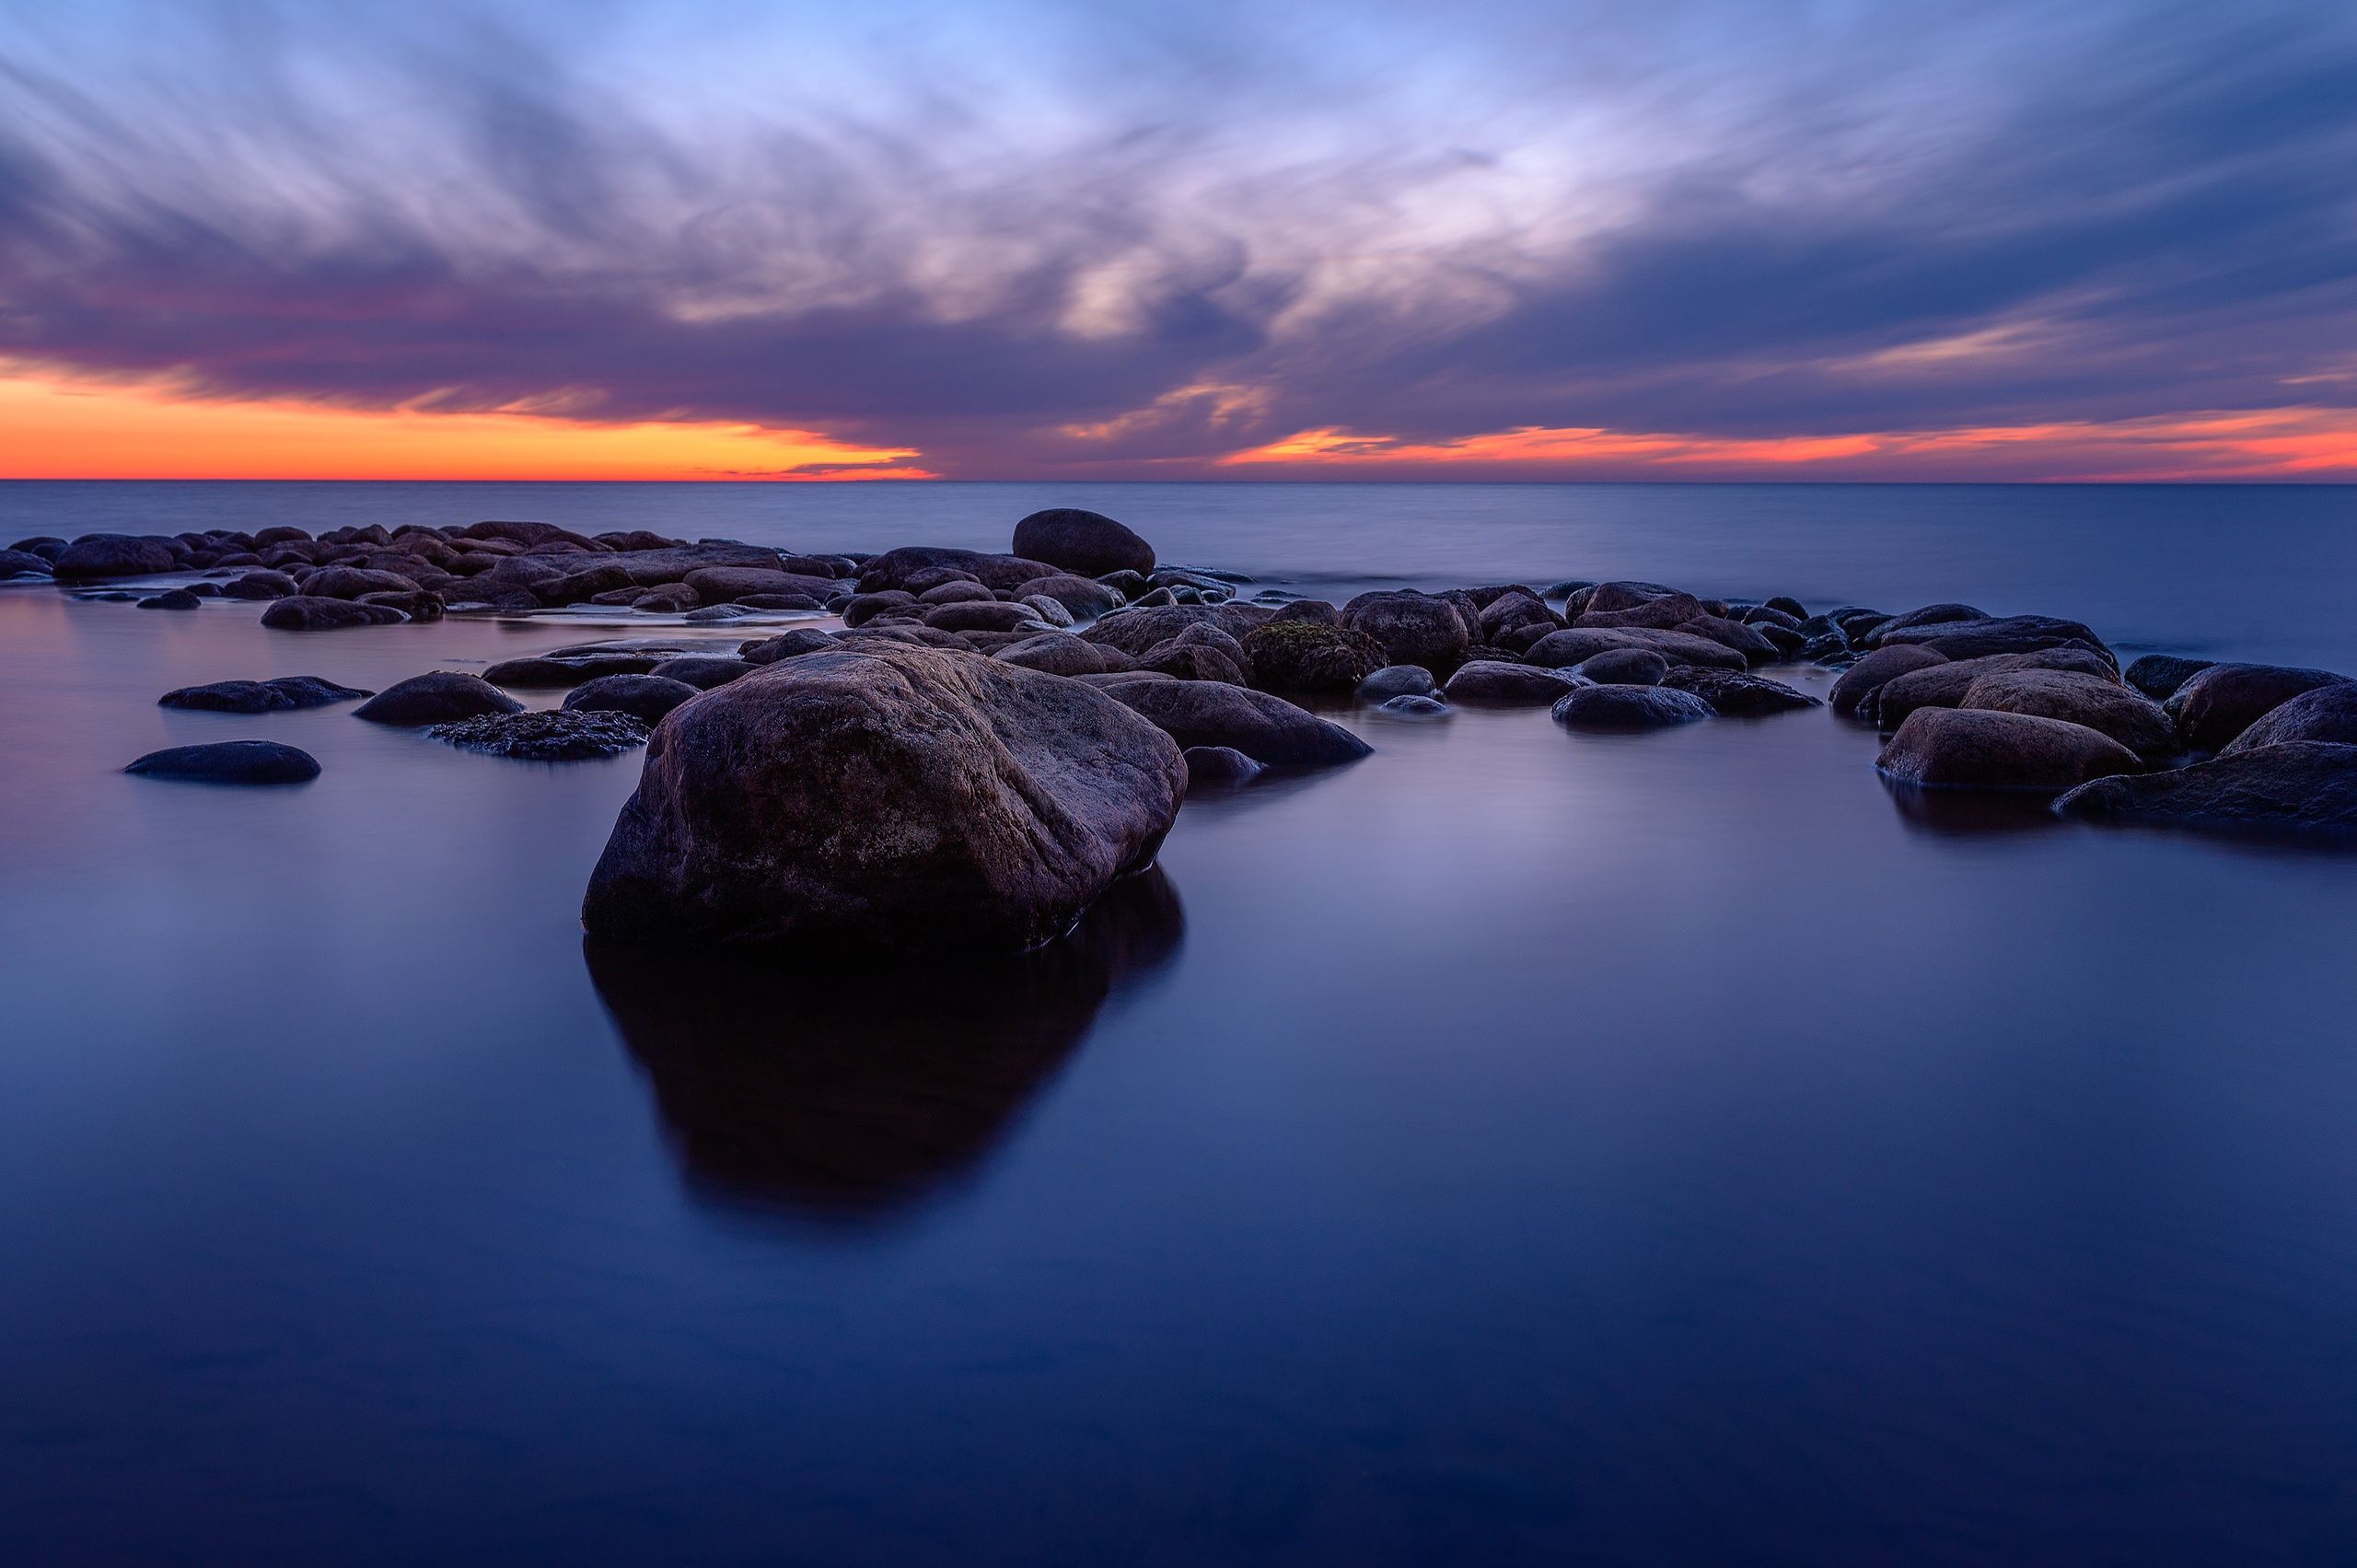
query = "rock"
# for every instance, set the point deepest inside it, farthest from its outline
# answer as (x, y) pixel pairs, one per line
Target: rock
(531, 536)
(1396, 680)
(542, 672)
(2008, 634)
(2301, 784)
(1861, 679)
(1629, 708)
(1976, 748)
(113, 555)
(604, 577)
(1738, 696)
(885, 796)
(902, 568)
(786, 644)
(1560, 650)
(960, 589)
(711, 615)
(1789, 607)
(45, 547)
(1605, 598)
(1663, 614)
(442, 697)
(281, 695)
(23, 563)
(704, 671)
(418, 604)
(1505, 685)
(1308, 656)
(2159, 675)
(351, 581)
(1944, 685)
(2097, 702)
(989, 615)
(1315, 610)
(1088, 543)
(172, 599)
(1414, 628)
(864, 608)
(230, 761)
(1058, 653)
(1136, 629)
(1081, 597)
(304, 613)
(1187, 657)
(1625, 667)
(1414, 707)
(719, 585)
(2325, 713)
(1219, 767)
(1265, 728)
(2218, 704)
(646, 697)
(1929, 615)
(566, 736)
(1749, 641)
(1046, 610)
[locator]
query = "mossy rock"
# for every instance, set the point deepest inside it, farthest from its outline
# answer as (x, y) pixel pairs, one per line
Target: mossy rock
(1303, 655)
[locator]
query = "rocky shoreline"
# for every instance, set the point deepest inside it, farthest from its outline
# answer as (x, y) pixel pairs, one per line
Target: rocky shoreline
(979, 744)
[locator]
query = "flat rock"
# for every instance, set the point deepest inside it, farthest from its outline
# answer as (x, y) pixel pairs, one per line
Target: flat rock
(230, 761)
(286, 692)
(1558, 650)
(2297, 785)
(1975, 748)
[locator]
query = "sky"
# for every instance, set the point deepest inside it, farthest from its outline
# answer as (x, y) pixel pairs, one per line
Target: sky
(1491, 239)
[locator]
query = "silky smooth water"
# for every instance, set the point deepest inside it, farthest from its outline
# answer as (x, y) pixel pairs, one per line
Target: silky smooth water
(1517, 1147)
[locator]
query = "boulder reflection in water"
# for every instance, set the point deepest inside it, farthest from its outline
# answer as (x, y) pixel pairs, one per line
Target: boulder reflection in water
(852, 1093)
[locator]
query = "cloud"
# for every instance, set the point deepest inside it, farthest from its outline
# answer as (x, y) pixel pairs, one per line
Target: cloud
(1033, 239)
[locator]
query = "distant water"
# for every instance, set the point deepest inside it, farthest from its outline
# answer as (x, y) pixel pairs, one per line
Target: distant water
(1518, 1147)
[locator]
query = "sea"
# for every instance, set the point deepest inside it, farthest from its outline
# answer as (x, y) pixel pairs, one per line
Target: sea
(1517, 1147)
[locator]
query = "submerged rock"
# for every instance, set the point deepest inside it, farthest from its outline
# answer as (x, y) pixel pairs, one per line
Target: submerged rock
(1629, 708)
(441, 697)
(2304, 784)
(565, 735)
(286, 692)
(230, 761)
(1738, 696)
(1267, 728)
(1975, 748)
(172, 599)
(1414, 707)
(886, 795)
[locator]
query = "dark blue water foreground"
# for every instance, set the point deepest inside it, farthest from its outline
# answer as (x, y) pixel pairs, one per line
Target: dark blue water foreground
(1519, 1147)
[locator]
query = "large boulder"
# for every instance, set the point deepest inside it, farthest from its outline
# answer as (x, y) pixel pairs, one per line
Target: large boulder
(1414, 628)
(2097, 702)
(1943, 685)
(2303, 784)
(1264, 727)
(1862, 679)
(1976, 748)
(2325, 712)
(1629, 708)
(2217, 704)
(1735, 696)
(1486, 682)
(442, 697)
(1086, 542)
(230, 761)
(889, 797)
(1306, 656)
(113, 555)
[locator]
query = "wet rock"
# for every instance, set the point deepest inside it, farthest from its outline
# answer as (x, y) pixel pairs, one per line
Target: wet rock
(1629, 708)
(573, 587)
(1413, 708)
(643, 697)
(1264, 727)
(1625, 667)
(2099, 702)
(1397, 680)
(885, 796)
(2298, 784)
(1738, 696)
(1088, 543)
(230, 761)
(1560, 650)
(704, 671)
(1789, 606)
(304, 613)
(1607, 599)
(113, 555)
(286, 692)
(565, 736)
(1212, 768)
(1944, 685)
(1975, 748)
(2216, 704)
(1505, 685)
(2325, 714)
(1310, 657)
(1414, 628)
(786, 644)
(441, 697)
(418, 604)
(2159, 675)
(715, 614)
(1863, 678)
(44, 546)
(172, 599)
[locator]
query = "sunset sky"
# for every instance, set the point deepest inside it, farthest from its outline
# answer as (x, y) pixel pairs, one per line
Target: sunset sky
(1035, 239)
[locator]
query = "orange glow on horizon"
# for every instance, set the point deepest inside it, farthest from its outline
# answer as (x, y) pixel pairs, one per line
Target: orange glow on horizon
(52, 428)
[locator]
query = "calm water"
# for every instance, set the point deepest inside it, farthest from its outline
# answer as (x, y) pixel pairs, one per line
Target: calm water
(1518, 1147)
